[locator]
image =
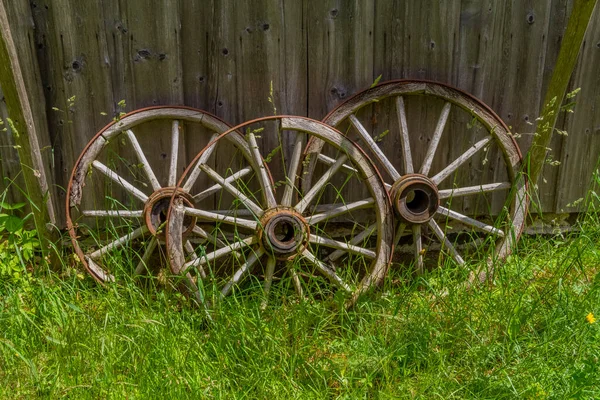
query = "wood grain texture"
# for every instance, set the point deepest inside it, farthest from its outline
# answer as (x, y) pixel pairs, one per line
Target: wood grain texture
(222, 55)
(22, 125)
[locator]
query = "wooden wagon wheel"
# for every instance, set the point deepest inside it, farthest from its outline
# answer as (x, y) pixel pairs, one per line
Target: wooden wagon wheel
(123, 181)
(449, 163)
(276, 232)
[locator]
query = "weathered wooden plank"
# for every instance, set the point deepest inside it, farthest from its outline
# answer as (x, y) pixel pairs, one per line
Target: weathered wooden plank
(22, 124)
(22, 28)
(581, 149)
(340, 54)
(74, 67)
(221, 56)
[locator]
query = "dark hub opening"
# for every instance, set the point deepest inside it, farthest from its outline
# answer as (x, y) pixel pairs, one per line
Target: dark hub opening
(284, 231)
(159, 212)
(417, 201)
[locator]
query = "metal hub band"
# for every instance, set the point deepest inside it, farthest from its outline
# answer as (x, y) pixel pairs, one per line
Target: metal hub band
(157, 207)
(283, 233)
(416, 198)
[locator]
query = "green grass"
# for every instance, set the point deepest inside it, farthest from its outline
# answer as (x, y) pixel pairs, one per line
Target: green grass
(524, 336)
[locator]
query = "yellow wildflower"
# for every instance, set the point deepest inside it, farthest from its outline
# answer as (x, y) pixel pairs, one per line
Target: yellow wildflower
(590, 318)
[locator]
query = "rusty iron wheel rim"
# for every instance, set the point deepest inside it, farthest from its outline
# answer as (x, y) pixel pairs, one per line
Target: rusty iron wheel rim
(455, 99)
(252, 218)
(76, 184)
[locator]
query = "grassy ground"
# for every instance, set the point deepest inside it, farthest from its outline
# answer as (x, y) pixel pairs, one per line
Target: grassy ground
(525, 336)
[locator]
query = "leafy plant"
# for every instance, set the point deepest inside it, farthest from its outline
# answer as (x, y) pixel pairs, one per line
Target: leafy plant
(19, 246)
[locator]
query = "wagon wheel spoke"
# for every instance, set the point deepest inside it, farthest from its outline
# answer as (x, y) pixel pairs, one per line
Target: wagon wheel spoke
(242, 271)
(196, 171)
(143, 264)
(113, 213)
(399, 232)
(269, 272)
(340, 210)
(469, 190)
(212, 216)
(366, 137)
(470, 221)
(359, 238)
(174, 153)
(249, 204)
(208, 236)
(314, 191)
(143, 160)
(263, 175)
(295, 280)
(215, 188)
(330, 161)
(219, 253)
(118, 243)
(120, 180)
(435, 139)
(292, 172)
(445, 242)
(408, 163)
(189, 248)
(446, 172)
(350, 248)
(419, 251)
(326, 271)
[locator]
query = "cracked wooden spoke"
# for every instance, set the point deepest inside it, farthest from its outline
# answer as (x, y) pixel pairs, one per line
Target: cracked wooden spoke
(340, 210)
(249, 204)
(113, 213)
(211, 216)
(312, 193)
(435, 140)
(445, 242)
(118, 243)
(237, 276)
(470, 221)
(366, 137)
(446, 172)
(119, 180)
(189, 183)
(468, 190)
(407, 157)
(174, 153)
(320, 240)
(143, 160)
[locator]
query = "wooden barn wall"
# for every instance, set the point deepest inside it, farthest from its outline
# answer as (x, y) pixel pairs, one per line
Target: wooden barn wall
(221, 56)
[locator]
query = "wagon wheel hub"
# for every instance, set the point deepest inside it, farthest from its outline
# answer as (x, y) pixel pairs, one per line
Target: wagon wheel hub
(156, 209)
(283, 233)
(416, 198)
